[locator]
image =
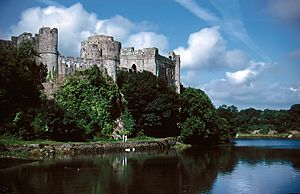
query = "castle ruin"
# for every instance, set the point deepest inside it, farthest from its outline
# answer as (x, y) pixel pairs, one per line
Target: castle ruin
(100, 50)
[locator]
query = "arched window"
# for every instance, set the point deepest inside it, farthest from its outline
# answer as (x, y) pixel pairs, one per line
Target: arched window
(133, 67)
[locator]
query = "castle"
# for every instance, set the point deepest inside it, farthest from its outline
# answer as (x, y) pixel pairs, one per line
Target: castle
(100, 50)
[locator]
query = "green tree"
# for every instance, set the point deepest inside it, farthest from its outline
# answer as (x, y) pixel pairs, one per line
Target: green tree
(200, 123)
(229, 113)
(20, 84)
(89, 100)
(153, 104)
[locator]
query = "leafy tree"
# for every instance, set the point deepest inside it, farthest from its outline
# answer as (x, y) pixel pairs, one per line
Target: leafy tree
(20, 85)
(200, 123)
(89, 100)
(229, 113)
(153, 105)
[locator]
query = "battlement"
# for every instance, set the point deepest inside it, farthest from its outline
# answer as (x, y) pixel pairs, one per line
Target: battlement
(48, 30)
(142, 52)
(101, 38)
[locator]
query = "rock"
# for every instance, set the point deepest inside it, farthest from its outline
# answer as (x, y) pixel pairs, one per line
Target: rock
(295, 132)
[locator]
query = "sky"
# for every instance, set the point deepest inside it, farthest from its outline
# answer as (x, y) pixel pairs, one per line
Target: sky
(240, 52)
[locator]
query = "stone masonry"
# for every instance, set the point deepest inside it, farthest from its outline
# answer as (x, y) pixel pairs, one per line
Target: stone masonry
(102, 51)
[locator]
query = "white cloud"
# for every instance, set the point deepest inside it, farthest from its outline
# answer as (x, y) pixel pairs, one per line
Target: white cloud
(148, 39)
(245, 88)
(295, 55)
(229, 18)
(200, 12)
(236, 58)
(75, 24)
(248, 74)
(207, 48)
(285, 9)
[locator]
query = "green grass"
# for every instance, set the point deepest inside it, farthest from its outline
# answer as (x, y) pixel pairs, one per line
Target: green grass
(14, 140)
(13, 154)
(250, 135)
(142, 138)
(181, 146)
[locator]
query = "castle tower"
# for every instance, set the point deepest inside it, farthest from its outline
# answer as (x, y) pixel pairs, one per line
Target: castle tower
(99, 46)
(47, 41)
(103, 48)
(176, 60)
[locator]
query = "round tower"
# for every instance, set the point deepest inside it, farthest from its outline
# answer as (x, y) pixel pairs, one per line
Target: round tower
(100, 46)
(47, 42)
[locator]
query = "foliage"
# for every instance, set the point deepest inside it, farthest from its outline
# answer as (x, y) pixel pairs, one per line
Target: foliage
(249, 120)
(128, 121)
(199, 120)
(153, 105)
(89, 101)
(20, 85)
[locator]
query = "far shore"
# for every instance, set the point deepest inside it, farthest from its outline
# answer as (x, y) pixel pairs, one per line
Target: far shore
(259, 136)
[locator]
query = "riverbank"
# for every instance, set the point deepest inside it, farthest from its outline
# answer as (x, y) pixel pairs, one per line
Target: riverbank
(279, 135)
(49, 149)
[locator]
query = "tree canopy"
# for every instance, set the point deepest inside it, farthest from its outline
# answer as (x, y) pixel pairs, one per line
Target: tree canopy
(153, 104)
(199, 122)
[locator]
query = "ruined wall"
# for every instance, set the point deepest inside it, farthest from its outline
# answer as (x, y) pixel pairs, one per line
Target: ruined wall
(176, 60)
(6, 44)
(68, 65)
(141, 59)
(46, 44)
(150, 60)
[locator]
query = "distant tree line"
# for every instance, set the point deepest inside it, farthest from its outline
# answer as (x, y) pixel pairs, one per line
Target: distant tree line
(261, 121)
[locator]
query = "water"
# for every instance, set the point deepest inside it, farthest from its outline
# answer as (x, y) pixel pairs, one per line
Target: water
(250, 166)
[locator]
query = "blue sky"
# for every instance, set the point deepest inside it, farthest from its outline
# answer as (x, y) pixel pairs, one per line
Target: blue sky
(245, 53)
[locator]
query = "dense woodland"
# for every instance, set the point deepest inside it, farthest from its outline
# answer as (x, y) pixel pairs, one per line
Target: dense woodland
(87, 105)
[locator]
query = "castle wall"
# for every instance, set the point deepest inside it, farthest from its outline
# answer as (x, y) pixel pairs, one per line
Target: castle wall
(68, 65)
(142, 59)
(102, 51)
(150, 60)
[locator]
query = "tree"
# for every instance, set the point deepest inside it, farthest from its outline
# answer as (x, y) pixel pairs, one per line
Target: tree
(89, 101)
(229, 113)
(20, 83)
(200, 123)
(153, 104)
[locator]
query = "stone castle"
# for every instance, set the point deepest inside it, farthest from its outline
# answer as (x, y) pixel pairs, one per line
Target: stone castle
(100, 50)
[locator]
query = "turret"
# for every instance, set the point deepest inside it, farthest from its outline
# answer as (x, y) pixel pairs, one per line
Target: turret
(47, 42)
(176, 59)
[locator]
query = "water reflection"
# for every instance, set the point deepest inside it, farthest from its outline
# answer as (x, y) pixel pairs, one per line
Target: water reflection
(199, 170)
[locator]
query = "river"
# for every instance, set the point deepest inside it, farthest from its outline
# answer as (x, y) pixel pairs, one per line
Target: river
(249, 166)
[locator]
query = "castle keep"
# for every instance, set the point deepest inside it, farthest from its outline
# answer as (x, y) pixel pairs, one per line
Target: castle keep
(103, 51)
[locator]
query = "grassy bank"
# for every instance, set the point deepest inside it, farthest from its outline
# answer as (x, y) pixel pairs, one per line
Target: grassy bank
(13, 140)
(280, 135)
(40, 149)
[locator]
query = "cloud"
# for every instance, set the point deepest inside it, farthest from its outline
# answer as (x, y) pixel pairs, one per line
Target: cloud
(147, 39)
(207, 48)
(247, 74)
(230, 20)
(200, 12)
(245, 88)
(237, 79)
(76, 24)
(295, 55)
(286, 10)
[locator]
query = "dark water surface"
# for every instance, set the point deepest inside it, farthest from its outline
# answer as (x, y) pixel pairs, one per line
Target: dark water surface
(250, 166)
